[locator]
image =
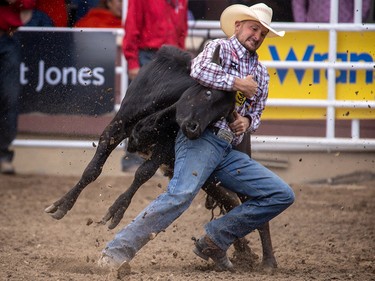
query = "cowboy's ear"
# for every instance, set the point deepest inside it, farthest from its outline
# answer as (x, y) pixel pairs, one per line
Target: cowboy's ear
(237, 24)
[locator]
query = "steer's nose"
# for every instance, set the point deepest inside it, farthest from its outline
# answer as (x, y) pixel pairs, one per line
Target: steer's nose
(191, 129)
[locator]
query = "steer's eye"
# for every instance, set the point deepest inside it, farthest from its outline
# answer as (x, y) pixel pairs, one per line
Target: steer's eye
(208, 93)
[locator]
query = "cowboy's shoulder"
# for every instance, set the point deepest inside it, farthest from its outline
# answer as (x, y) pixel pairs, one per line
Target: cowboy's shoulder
(259, 65)
(262, 68)
(261, 72)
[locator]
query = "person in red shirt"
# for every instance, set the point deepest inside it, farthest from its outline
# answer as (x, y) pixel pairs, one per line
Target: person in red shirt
(107, 14)
(151, 24)
(10, 14)
(56, 10)
(10, 59)
(148, 26)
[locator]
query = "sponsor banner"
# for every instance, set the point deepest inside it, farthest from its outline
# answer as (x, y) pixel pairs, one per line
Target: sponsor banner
(312, 46)
(67, 72)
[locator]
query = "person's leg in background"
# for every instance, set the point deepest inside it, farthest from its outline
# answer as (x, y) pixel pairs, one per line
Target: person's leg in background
(10, 59)
(131, 161)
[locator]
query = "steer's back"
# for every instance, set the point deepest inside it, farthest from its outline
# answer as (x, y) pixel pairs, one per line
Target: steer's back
(159, 84)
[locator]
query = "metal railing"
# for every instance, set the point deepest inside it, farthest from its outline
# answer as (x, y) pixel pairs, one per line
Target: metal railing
(211, 30)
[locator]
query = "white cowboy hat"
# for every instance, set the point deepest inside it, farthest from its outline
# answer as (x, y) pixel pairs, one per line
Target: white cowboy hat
(258, 12)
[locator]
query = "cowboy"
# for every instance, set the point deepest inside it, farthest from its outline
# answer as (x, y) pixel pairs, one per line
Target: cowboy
(213, 154)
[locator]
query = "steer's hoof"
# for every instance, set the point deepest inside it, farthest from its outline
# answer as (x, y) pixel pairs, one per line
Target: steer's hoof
(58, 215)
(55, 212)
(269, 265)
(51, 209)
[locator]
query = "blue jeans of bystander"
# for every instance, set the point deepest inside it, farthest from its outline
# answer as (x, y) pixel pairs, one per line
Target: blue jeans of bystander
(10, 59)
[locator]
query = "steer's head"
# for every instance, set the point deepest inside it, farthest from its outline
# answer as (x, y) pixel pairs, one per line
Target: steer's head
(200, 106)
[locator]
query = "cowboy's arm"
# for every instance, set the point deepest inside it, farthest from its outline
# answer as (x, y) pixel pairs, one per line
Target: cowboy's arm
(212, 75)
(248, 86)
(257, 104)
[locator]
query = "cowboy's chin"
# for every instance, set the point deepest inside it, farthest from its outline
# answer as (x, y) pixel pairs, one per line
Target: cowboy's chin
(251, 46)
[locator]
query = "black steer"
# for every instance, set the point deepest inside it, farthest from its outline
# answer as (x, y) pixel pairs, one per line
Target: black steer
(152, 99)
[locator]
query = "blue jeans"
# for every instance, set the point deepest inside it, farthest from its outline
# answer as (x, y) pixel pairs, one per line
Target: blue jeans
(10, 59)
(196, 161)
(145, 56)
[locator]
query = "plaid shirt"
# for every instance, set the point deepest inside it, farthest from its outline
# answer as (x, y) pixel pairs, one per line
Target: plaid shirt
(236, 61)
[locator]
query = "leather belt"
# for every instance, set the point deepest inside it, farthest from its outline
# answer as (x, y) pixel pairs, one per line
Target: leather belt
(222, 134)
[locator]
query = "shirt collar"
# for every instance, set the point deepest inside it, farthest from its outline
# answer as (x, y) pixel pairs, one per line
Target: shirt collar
(241, 50)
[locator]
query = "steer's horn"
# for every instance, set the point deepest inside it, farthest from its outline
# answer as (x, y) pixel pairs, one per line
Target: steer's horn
(216, 55)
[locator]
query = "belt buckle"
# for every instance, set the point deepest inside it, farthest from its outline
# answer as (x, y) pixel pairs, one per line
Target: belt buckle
(225, 135)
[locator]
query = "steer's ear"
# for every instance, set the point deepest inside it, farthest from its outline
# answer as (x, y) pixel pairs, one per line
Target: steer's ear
(216, 55)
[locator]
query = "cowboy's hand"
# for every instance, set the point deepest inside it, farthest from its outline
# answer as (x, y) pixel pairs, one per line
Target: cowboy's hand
(248, 86)
(240, 124)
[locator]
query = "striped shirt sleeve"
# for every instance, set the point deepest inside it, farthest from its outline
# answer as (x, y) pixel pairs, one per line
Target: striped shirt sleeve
(211, 74)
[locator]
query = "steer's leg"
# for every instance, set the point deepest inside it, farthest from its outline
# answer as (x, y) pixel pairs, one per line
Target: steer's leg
(116, 212)
(268, 260)
(222, 196)
(161, 154)
(112, 135)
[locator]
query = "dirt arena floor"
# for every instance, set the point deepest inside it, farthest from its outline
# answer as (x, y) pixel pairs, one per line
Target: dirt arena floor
(328, 234)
